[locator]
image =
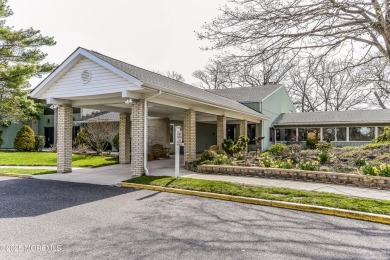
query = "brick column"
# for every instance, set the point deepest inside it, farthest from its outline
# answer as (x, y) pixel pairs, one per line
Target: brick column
(124, 138)
(189, 135)
(243, 128)
(64, 139)
(137, 137)
(221, 130)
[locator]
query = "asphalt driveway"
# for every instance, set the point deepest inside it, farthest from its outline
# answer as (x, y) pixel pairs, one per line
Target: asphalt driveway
(85, 221)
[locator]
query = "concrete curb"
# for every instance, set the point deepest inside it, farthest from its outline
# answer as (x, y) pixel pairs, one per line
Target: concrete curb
(384, 219)
(17, 175)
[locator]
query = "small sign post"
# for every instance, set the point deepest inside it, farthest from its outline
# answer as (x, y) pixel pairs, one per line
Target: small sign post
(178, 143)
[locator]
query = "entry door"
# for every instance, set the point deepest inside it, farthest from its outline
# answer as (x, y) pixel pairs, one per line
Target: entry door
(231, 132)
(49, 136)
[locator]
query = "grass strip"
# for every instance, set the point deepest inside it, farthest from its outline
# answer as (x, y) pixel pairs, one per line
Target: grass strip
(26, 171)
(277, 194)
(9, 158)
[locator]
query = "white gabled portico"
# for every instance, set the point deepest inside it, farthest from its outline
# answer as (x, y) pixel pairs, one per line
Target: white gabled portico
(87, 79)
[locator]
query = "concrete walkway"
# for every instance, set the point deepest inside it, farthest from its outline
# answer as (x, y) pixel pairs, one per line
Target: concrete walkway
(112, 175)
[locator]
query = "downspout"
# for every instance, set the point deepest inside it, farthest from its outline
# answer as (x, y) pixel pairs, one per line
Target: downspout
(146, 131)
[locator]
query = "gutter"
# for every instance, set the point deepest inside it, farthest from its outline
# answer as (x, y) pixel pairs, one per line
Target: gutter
(146, 131)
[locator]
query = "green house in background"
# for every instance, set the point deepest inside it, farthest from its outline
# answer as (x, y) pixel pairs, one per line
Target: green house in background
(44, 126)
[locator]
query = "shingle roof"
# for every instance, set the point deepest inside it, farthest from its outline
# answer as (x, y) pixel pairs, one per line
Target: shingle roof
(350, 117)
(171, 86)
(248, 94)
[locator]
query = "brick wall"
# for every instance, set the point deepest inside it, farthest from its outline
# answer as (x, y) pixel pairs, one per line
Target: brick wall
(299, 175)
(158, 132)
(124, 138)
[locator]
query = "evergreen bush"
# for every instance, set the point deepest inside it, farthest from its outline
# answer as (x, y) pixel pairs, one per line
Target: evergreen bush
(385, 136)
(39, 142)
(25, 139)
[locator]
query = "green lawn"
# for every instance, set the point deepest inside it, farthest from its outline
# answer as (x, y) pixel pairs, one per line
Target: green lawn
(277, 194)
(50, 159)
(26, 171)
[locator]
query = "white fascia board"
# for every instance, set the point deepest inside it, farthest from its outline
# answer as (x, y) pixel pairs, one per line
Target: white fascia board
(72, 60)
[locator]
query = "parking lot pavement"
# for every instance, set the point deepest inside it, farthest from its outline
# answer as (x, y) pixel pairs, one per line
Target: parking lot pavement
(42, 219)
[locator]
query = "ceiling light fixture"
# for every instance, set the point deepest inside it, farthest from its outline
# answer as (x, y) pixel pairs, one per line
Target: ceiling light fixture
(129, 101)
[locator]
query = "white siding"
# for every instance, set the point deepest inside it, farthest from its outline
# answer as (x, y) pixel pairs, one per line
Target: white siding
(103, 81)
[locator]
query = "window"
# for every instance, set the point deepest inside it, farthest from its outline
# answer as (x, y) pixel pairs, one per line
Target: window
(48, 111)
(308, 133)
(380, 129)
(329, 134)
(171, 133)
(284, 134)
(361, 133)
(252, 134)
(341, 134)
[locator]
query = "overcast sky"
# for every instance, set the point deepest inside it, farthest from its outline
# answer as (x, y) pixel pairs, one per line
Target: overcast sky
(155, 35)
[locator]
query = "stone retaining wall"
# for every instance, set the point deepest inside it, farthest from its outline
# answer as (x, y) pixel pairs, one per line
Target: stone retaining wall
(299, 175)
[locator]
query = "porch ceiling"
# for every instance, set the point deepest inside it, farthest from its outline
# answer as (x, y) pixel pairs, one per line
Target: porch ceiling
(164, 105)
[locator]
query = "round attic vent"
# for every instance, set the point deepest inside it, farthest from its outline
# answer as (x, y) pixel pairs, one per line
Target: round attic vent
(86, 76)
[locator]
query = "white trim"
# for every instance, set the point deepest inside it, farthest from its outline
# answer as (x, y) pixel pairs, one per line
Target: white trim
(73, 59)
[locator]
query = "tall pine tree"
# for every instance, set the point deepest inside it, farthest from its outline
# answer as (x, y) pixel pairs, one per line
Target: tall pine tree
(20, 59)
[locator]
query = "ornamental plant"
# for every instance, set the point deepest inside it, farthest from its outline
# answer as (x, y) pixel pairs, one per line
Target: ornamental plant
(277, 149)
(25, 139)
(308, 165)
(376, 170)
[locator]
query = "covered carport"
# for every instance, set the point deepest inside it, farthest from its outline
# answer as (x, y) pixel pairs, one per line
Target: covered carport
(88, 79)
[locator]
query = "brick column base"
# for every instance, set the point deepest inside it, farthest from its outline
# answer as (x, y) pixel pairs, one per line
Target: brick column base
(137, 137)
(64, 139)
(189, 134)
(221, 130)
(124, 138)
(243, 128)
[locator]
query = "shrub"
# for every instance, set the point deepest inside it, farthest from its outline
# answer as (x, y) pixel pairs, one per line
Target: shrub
(115, 141)
(284, 164)
(242, 144)
(311, 143)
(39, 142)
(324, 146)
(229, 147)
(385, 136)
(53, 148)
(222, 160)
(82, 137)
(239, 156)
(376, 170)
(266, 162)
(324, 157)
(25, 139)
(277, 149)
(83, 148)
(208, 155)
(359, 162)
(308, 165)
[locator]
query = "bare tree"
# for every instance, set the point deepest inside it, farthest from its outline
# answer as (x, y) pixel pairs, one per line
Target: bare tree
(320, 25)
(376, 75)
(228, 72)
(323, 85)
(99, 134)
(175, 75)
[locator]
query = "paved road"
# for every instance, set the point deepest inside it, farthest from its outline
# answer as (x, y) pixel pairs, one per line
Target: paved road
(85, 221)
